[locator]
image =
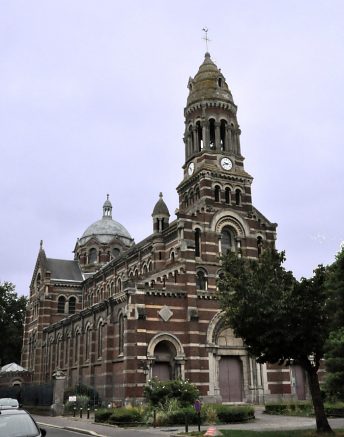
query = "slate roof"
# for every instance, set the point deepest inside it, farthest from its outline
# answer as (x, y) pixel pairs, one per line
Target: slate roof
(64, 269)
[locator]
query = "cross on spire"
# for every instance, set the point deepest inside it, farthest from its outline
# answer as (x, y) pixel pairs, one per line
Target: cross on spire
(206, 39)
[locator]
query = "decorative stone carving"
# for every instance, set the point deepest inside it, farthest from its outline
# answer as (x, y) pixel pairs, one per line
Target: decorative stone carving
(165, 313)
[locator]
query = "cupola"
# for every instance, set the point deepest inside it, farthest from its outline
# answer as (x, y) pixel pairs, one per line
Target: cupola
(161, 215)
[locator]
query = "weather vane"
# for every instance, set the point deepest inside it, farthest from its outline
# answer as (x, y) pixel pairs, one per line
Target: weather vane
(206, 39)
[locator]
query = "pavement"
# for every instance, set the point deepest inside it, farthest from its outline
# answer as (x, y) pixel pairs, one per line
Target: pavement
(263, 422)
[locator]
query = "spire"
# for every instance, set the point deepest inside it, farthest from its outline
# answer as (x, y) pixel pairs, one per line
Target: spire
(160, 215)
(107, 208)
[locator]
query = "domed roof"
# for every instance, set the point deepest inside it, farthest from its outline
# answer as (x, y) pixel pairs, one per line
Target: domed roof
(160, 207)
(106, 229)
(209, 83)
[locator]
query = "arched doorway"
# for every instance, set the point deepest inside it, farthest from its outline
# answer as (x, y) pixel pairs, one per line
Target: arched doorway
(166, 358)
(164, 363)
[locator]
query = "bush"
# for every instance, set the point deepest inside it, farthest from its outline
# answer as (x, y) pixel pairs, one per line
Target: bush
(233, 414)
(335, 410)
(103, 414)
(83, 390)
(125, 415)
(81, 402)
(159, 392)
(289, 408)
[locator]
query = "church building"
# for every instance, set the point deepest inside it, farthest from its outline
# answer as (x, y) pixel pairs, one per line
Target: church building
(121, 313)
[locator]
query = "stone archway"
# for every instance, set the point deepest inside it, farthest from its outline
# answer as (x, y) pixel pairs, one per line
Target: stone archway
(233, 375)
(166, 357)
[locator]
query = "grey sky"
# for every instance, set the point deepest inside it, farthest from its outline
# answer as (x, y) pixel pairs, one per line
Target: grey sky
(91, 102)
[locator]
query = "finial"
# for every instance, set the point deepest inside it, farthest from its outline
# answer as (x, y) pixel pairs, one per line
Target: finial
(41, 244)
(107, 196)
(160, 195)
(206, 39)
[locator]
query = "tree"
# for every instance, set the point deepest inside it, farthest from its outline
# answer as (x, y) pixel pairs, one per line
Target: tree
(12, 313)
(334, 380)
(159, 392)
(280, 319)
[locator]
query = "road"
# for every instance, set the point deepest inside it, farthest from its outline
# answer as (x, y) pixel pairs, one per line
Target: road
(54, 432)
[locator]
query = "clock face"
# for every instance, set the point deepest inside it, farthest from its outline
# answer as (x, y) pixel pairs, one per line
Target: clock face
(226, 163)
(191, 168)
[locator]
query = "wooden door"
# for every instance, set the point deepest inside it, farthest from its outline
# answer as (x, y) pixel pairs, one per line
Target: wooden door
(162, 371)
(230, 378)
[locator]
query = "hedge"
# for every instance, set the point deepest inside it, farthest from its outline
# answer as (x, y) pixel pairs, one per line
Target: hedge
(102, 415)
(125, 415)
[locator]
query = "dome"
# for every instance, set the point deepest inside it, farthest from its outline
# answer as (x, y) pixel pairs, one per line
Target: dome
(106, 229)
(160, 207)
(209, 83)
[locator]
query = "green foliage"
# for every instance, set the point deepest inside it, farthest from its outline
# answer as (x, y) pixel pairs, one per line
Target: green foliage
(159, 392)
(334, 379)
(83, 390)
(229, 414)
(12, 314)
(335, 409)
(81, 402)
(292, 408)
(103, 415)
(125, 415)
(280, 319)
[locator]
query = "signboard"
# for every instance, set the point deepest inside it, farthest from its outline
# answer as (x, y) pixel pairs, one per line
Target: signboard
(72, 398)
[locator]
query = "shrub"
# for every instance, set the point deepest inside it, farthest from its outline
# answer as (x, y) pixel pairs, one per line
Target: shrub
(103, 414)
(335, 410)
(81, 402)
(83, 390)
(125, 415)
(159, 392)
(233, 414)
(289, 408)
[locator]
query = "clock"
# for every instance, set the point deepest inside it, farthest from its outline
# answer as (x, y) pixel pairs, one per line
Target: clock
(226, 163)
(191, 168)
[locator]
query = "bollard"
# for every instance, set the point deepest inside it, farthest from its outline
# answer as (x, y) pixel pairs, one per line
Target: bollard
(199, 421)
(186, 423)
(80, 413)
(88, 413)
(74, 410)
(154, 418)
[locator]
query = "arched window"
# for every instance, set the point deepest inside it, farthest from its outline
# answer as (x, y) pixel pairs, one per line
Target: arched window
(92, 256)
(212, 133)
(237, 197)
(71, 305)
(259, 245)
(223, 125)
(197, 242)
(115, 252)
(172, 256)
(121, 334)
(191, 140)
(150, 266)
(100, 339)
(76, 346)
(228, 195)
(201, 280)
(87, 342)
(61, 303)
(219, 81)
(199, 136)
(119, 285)
(227, 240)
(145, 269)
(197, 193)
(217, 193)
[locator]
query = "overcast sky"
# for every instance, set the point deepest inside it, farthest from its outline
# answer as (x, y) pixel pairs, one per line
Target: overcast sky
(91, 102)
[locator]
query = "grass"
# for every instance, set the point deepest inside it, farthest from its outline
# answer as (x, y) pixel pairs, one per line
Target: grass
(298, 433)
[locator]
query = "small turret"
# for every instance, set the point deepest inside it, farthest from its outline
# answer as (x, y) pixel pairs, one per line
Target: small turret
(161, 215)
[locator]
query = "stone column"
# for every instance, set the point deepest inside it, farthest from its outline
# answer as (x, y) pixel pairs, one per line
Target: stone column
(217, 136)
(59, 385)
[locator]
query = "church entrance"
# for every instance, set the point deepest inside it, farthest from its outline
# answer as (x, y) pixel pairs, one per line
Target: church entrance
(231, 379)
(164, 361)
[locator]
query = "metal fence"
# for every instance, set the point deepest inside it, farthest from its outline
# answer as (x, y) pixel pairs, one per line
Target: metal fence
(30, 394)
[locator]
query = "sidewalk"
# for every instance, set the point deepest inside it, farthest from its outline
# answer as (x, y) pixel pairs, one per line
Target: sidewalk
(263, 422)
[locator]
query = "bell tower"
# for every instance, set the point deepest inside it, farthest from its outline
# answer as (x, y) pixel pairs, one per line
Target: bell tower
(214, 172)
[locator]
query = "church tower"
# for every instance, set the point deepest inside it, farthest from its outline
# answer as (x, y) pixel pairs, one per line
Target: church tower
(215, 180)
